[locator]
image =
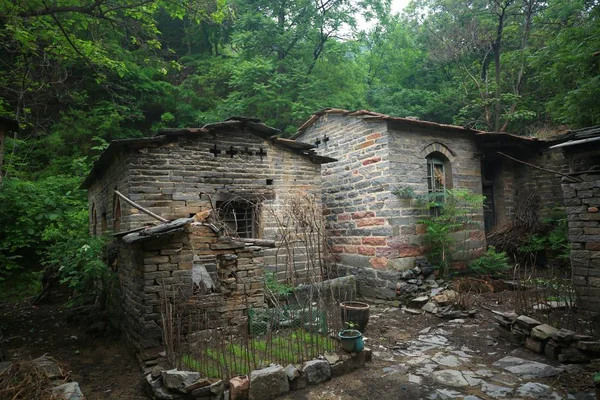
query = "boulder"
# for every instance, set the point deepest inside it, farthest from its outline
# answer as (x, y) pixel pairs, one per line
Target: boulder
(332, 358)
(564, 336)
(552, 350)
(446, 297)
(418, 302)
(430, 307)
(68, 391)
(179, 380)
(268, 383)
(572, 355)
(543, 332)
(526, 323)
(590, 346)
(316, 371)
(292, 372)
(535, 345)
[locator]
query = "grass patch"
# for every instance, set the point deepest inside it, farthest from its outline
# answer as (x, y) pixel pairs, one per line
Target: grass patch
(230, 359)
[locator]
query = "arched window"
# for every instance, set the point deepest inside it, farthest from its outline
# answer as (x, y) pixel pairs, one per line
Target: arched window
(439, 177)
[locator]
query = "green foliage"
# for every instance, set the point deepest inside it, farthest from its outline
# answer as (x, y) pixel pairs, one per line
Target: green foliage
(405, 192)
(281, 348)
(278, 289)
(554, 243)
(452, 215)
(491, 262)
(46, 223)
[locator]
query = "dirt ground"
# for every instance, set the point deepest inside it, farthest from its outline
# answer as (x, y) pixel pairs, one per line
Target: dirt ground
(106, 369)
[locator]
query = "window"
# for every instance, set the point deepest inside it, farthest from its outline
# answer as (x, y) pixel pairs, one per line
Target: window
(436, 175)
(238, 218)
(439, 178)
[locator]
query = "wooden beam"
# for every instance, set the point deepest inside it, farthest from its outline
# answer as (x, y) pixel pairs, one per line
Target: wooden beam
(572, 178)
(142, 209)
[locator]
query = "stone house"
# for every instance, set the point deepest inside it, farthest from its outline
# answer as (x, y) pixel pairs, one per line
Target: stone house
(582, 202)
(249, 187)
(374, 232)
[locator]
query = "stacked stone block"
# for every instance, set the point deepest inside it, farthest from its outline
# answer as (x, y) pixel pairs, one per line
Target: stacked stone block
(582, 201)
(158, 272)
(558, 344)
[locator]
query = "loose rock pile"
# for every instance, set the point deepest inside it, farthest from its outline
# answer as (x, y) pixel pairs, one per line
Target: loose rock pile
(558, 344)
(420, 291)
(173, 385)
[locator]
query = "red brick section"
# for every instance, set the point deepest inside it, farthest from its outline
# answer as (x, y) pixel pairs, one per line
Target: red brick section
(370, 222)
(363, 214)
(411, 251)
(374, 136)
(366, 250)
(370, 161)
(592, 246)
(374, 240)
(343, 217)
(379, 262)
(421, 229)
(365, 145)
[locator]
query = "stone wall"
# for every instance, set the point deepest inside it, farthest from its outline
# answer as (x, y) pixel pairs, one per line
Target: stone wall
(545, 185)
(192, 172)
(372, 232)
(409, 149)
(162, 271)
(101, 197)
(582, 201)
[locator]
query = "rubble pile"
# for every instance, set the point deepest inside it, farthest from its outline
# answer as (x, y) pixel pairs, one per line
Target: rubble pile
(420, 291)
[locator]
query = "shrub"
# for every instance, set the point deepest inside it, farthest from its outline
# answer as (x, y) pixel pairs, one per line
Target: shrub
(454, 211)
(491, 262)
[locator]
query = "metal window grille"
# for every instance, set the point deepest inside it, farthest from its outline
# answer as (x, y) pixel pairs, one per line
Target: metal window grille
(238, 218)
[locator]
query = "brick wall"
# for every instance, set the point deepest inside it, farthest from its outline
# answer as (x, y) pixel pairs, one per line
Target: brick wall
(182, 177)
(545, 185)
(582, 201)
(410, 147)
(356, 188)
(158, 272)
(371, 231)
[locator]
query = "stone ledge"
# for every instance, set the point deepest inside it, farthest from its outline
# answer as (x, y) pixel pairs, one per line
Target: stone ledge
(558, 344)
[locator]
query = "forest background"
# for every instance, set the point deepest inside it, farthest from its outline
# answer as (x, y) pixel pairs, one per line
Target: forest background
(79, 73)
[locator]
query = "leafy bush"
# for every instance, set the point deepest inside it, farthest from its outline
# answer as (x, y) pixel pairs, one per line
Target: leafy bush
(277, 289)
(45, 223)
(554, 244)
(490, 262)
(454, 213)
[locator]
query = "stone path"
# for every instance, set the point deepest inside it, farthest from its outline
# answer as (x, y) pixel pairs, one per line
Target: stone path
(458, 372)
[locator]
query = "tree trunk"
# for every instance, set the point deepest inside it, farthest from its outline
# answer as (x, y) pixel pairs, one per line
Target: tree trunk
(496, 46)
